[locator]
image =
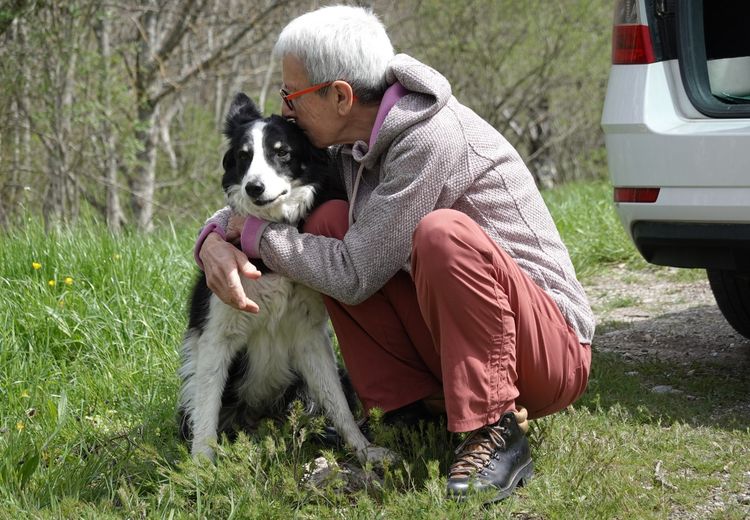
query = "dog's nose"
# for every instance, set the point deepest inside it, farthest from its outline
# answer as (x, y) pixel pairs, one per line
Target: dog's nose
(254, 189)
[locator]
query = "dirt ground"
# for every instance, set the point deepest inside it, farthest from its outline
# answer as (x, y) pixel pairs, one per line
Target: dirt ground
(670, 315)
(664, 314)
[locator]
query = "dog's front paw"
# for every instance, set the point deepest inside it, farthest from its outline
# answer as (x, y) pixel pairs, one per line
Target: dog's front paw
(203, 451)
(377, 455)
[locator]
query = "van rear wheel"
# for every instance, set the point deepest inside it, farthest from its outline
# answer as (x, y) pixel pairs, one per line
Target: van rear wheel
(732, 292)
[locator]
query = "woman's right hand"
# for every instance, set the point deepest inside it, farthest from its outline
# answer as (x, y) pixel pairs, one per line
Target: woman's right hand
(224, 265)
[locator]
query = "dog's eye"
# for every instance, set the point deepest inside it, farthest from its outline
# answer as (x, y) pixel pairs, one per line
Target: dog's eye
(243, 155)
(283, 155)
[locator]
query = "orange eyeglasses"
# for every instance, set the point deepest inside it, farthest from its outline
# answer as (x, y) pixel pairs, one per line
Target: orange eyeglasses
(287, 97)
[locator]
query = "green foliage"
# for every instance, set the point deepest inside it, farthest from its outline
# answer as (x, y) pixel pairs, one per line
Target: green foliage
(53, 80)
(535, 70)
(82, 120)
(88, 391)
(199, 147)
(586, 219)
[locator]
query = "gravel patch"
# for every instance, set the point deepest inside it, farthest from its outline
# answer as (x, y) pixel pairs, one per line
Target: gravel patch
(659, 313)
(656, 313)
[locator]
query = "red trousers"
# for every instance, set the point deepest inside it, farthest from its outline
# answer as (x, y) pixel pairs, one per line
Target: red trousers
(468, 323)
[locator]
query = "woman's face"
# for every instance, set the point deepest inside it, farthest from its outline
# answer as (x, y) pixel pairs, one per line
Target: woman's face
(315, 114)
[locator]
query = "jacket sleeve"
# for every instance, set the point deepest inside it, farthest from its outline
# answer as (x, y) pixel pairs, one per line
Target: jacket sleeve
(217, 223)
(378, 243)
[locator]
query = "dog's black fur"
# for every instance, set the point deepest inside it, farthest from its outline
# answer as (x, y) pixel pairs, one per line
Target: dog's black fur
(289, 156)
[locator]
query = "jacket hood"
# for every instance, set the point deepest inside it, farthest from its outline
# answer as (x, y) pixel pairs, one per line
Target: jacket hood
(429, 91)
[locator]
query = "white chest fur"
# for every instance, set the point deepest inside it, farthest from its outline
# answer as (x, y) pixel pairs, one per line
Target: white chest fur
(291, 325)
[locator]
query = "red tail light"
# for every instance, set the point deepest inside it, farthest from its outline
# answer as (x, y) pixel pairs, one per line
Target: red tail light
(631, 45)
(631, 39)
(636, 194)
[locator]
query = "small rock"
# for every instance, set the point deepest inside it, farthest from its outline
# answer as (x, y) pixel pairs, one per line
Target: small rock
(344, 478)
(632, 373)
(320, 471)
(665, 389)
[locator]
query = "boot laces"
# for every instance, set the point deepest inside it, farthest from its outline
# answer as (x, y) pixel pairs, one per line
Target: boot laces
(475, 452)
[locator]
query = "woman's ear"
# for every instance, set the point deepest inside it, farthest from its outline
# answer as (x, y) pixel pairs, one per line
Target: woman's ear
(344, 96)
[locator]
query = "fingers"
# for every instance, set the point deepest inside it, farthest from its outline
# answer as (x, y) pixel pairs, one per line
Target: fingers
(224, 266)
(235, 294)
(247, 268)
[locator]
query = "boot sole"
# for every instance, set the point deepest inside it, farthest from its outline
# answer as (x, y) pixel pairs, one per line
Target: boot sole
(522, 476)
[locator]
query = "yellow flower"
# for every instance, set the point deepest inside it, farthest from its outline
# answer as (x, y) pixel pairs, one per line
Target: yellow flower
(116, 256)
(68, 280)
(20, 426)
(51, 283)
(61, 303)
(36, 265)
(25, 394)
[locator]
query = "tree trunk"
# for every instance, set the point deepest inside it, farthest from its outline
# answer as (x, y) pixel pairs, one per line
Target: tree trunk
(71, 205)
(53, 204)
(3, 188)
(161, 37)
(60, 200)
(144, 180)
(165, 122)
(21, 131)
(144, 176)
(266, 83)
(112, 208)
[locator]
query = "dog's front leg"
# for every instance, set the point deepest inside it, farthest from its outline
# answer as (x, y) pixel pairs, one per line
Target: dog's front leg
(213, 358)
(317, 366)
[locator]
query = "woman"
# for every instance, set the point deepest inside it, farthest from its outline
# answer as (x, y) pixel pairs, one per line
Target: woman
(444, 275)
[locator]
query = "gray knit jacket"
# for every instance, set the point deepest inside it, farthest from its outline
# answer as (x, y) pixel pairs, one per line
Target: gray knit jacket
(431, 152)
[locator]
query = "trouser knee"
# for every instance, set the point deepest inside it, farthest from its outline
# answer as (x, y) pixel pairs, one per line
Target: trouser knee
(437, 235)
(330, 219)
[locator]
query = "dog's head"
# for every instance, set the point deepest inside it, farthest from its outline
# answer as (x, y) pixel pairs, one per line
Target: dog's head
(270, 170)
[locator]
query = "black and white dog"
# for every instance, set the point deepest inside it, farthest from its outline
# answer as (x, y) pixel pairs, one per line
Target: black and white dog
(236, 366)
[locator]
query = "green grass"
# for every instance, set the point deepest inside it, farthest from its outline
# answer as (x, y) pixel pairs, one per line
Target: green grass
(88, 388)
(585, 216)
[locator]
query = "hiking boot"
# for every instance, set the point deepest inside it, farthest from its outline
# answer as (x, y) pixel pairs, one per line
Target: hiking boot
(494, 456)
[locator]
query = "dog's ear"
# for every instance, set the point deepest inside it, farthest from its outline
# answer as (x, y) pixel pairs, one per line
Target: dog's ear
(241, 111)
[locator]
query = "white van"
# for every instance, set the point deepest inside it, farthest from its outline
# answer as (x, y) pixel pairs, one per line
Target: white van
(677, 127)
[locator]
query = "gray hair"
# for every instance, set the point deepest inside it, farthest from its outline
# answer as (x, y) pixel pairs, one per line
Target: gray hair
(340, 42)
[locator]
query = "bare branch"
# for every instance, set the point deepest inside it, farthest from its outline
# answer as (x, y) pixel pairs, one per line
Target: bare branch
(215, 57)
(185, 19)
(11, 12)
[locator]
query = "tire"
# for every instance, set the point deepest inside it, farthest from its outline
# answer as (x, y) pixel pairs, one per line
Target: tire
(732, 292)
